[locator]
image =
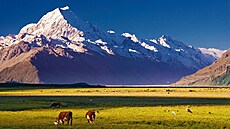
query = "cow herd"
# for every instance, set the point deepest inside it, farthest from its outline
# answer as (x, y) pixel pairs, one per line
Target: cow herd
(68, 115)
(90, 115)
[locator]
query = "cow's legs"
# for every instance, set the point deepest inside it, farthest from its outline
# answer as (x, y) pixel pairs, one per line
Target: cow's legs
(71, 121)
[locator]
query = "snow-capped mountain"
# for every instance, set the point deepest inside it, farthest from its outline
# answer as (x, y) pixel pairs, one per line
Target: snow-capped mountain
(212, 52)
(79, 46)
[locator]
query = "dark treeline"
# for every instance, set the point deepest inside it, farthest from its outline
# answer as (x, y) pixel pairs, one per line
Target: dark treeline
(25, 85)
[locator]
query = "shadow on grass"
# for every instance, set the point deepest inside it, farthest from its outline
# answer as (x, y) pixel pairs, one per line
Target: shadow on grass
(22, 86)
(16, 103)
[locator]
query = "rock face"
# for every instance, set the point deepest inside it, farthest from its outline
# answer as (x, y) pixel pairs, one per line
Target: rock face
(62, 48)
(16, 66)
(215, 74)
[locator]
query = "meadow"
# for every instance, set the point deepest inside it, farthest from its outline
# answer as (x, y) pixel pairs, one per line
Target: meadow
(118, 107)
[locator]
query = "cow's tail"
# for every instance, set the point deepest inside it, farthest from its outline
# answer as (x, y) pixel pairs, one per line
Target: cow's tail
(71, 118)
(86, 115)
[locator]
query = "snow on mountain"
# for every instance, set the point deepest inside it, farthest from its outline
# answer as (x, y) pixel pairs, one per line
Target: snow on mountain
(8, 41)
(111, 31)
(212, 52)
(173, 51)
(131, 36)
(65, 8)
(135, 51)
(162, 40)
(62, 28)
(147, 46)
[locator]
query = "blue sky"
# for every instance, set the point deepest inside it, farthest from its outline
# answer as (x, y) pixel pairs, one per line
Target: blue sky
(200, 23)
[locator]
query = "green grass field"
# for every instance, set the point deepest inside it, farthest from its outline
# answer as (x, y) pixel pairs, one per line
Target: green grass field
(119, 107)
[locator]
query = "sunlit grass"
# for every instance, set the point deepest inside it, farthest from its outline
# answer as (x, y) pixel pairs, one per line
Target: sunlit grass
(162, 92)
(120, 108)
(124, 117)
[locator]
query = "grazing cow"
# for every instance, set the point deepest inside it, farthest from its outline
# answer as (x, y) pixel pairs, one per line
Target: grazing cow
(188, 110)
(90, 116)
(64, 116)
(55, 104)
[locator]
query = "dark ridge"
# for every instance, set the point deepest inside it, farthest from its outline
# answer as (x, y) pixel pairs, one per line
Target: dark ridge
(27, 85)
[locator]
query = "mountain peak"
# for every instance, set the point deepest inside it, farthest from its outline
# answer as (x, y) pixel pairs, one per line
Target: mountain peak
(165, 37)
(52, 15)
(63, 13)
(57, 23)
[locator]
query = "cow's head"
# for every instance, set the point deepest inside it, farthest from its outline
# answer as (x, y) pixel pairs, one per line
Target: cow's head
(57, 121)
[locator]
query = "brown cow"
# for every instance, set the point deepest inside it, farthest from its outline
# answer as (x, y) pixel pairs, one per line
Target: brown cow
(55, 104)
(90, 116)
(64, 116)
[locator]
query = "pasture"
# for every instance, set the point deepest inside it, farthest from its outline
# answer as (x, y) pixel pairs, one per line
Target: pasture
(119, 107)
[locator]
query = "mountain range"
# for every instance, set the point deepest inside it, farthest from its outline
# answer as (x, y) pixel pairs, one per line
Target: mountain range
(62, 48)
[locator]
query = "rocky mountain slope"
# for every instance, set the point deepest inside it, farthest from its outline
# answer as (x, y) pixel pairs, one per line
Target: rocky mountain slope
(62, 48)
(215, 74)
